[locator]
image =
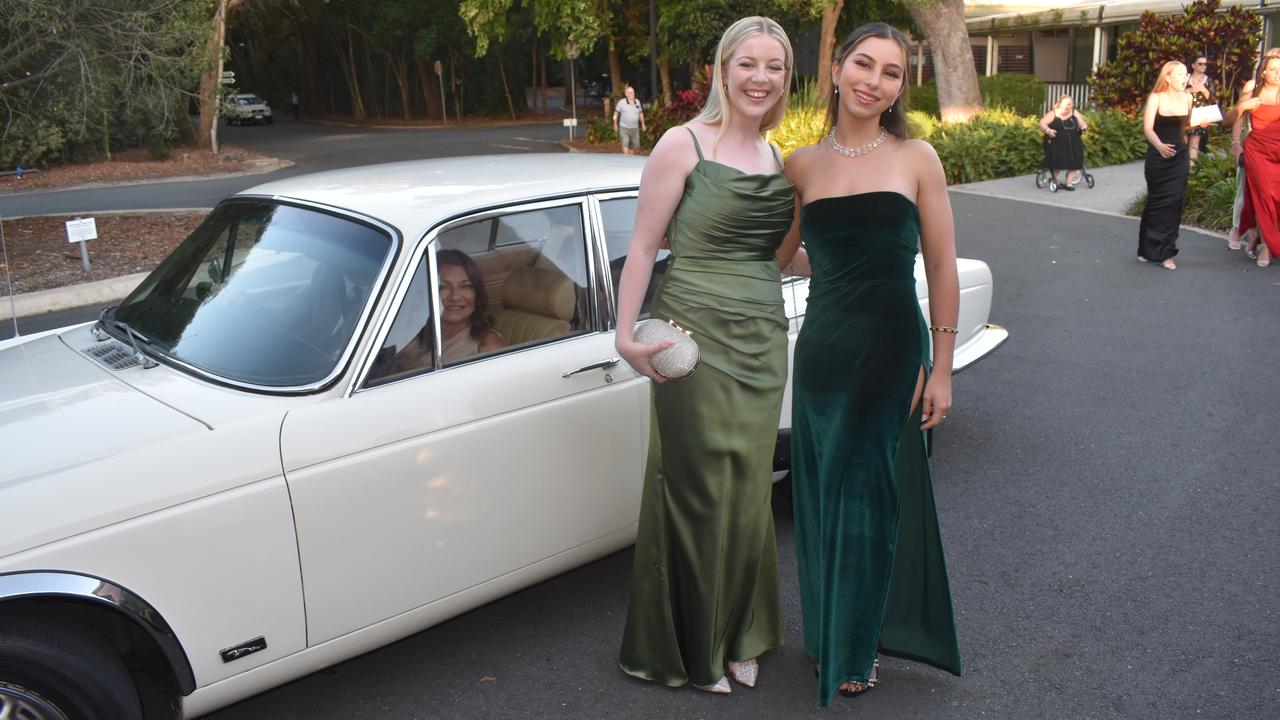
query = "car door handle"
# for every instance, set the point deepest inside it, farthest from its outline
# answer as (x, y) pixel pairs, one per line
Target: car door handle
(598, 365)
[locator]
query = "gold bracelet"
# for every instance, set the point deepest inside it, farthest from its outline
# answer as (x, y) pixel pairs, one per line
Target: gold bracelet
(944, 329)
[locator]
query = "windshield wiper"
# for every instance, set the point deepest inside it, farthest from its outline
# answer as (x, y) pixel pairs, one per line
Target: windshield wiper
(132, 335)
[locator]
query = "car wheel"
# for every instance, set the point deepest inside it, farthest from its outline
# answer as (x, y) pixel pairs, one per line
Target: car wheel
(53, 673)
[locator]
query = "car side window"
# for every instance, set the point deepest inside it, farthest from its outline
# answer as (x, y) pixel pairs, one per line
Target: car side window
(619, 216)
(525, 285)
(409, 348)
(529, 287)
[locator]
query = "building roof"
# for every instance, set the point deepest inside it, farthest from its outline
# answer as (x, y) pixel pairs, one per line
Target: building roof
(1081, 13)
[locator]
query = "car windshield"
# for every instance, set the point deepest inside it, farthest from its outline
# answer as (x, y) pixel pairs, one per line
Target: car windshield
(261, 294)
(249, 100)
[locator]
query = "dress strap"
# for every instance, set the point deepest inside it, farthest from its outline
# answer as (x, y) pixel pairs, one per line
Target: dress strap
(777, 156)
(696, 146)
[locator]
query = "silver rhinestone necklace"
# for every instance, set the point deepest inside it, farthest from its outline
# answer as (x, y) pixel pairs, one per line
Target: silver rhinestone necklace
(856, 152)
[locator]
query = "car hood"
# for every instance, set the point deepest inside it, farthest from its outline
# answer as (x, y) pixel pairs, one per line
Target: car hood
(58, 409)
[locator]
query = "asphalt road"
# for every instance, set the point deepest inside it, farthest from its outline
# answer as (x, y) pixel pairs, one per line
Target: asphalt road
(1108, 496)
(312, 147)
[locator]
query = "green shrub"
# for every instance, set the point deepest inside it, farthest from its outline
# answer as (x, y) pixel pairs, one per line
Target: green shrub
(1021, 93)
(1229, 39)
(994, 144)
(924, 98)
(1211, 192)
(1113, 138)
(600, 130)
(802, 124)
(686, 105)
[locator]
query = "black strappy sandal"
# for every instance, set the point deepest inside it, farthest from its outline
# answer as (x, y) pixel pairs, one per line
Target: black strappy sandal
(857, 688)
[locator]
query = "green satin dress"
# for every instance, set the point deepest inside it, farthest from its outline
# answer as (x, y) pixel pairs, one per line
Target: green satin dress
(869, 552)
(704, 587)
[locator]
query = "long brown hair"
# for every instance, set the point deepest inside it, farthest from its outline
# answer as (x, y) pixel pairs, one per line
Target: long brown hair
(895, 118)
(480, 321)
(1267, 59)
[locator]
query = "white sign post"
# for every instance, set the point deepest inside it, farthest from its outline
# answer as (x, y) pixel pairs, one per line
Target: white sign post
(80, 231)
(571, 123)
(444, 112)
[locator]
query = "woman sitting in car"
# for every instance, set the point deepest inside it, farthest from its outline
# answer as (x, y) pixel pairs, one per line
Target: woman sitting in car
(465, 326)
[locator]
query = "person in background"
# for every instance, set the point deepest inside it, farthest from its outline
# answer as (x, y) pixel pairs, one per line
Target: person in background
(1262, 159)
(1239, 123)
(293, 102)
(628, 121)
(1201, 87)
(1164, 122)
(1063, 126)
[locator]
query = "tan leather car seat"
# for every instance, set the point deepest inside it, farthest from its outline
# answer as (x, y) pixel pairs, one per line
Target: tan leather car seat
(537, 304)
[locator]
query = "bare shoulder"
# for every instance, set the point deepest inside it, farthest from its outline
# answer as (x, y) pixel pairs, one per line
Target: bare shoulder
(921, 152)
(674, 151)
(802, 157)
(492, 341)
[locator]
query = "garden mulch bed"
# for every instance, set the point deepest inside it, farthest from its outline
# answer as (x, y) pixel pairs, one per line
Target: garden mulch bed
(41, 258)
(135, 165)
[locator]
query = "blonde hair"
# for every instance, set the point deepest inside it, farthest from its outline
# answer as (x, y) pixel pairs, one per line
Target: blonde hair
(716, 110)
(1267, 59)
(1058, 104)
(1162, 82)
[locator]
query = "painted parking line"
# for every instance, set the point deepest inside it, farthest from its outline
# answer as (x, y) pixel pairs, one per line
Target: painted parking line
(510, 147)
(537, 140)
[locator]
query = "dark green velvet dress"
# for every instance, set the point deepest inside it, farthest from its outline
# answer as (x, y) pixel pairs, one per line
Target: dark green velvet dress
(704, 587)
(872, 572)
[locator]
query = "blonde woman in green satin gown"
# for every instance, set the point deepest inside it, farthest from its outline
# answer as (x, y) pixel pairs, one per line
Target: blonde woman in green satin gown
(872, 573)
(704, 596)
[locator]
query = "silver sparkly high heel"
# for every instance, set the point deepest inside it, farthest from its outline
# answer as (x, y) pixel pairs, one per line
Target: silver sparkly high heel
(745, 672)
(721, 687)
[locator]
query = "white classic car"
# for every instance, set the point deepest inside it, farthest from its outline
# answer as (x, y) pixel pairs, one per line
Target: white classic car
(262, 461)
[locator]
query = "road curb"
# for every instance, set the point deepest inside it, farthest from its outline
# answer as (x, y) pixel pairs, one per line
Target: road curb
(276, 164)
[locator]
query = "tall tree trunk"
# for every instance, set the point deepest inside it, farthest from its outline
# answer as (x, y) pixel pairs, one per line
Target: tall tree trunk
(506, 89)
(206, 134)
(453, 85)
(536, 90)
(542, 62)
(943, 24)
(352, 74)
(401, 69)
(615, 69)
(827, 45)
(664, 75)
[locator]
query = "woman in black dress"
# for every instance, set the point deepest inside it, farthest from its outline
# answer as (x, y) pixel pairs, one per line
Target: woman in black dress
(1165, 125)
(1200, 85)
(1062, 126)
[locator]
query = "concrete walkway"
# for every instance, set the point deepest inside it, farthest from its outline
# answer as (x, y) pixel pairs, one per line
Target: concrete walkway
(1114, 188)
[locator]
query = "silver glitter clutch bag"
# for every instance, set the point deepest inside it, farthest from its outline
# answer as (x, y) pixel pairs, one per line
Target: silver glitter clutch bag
(676, 362)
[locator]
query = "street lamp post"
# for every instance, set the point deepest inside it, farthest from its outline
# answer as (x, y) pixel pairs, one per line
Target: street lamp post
(571, 52)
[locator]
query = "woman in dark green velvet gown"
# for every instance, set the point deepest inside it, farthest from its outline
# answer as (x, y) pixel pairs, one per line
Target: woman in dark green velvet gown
(704, 588)
(872, 573)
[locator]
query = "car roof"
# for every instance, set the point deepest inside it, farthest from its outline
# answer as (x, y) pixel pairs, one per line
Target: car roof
(417, 194)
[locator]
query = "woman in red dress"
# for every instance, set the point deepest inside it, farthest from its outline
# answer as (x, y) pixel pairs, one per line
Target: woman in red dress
(1262, 160)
